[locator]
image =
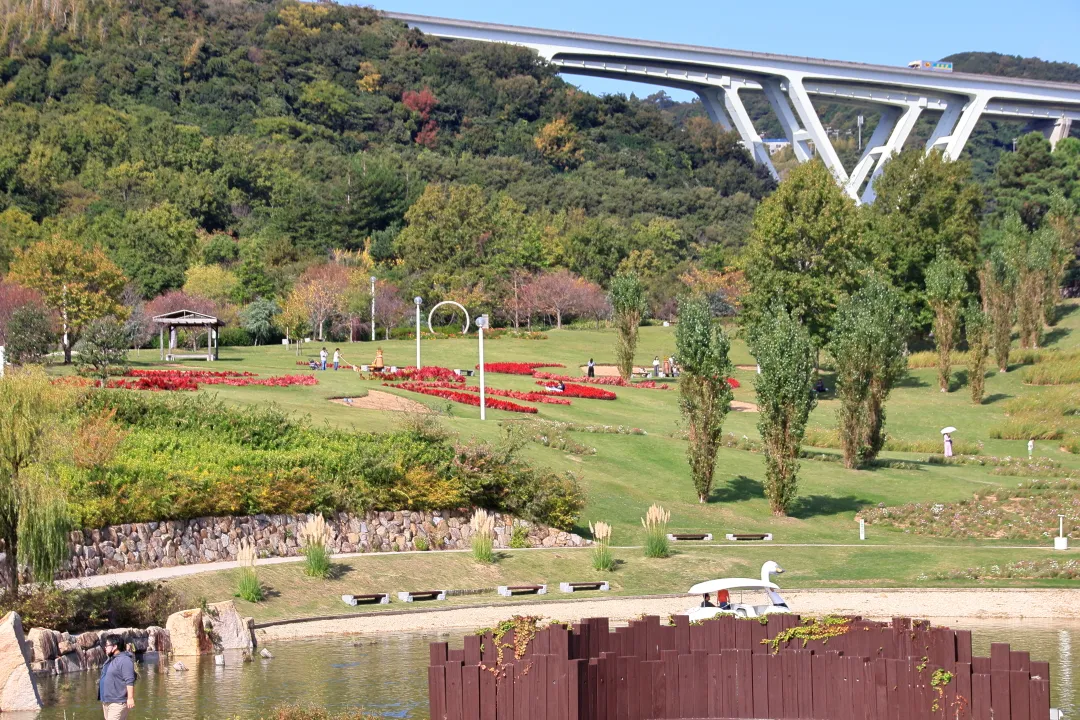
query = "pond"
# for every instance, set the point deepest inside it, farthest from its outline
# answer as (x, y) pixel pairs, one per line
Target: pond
(388, 675)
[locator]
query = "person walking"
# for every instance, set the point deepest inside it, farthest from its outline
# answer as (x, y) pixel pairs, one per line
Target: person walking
(656, 366)
(116, 688)
(337, 358)
(322, 358)
(948, 445)
(1031, 447)
(592, 368)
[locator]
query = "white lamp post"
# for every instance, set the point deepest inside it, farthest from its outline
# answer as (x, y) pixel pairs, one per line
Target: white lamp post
(418, 300)
(372, 308)
(481, 323)
(1061, 542)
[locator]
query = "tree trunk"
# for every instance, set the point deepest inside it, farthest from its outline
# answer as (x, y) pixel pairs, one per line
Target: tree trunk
(9, 568)
(558, 319)
(67, 350)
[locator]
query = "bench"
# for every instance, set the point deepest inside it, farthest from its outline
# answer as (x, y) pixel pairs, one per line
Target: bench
(749, 536)
(704, 537)
(569, 587)
(369, 598)
(422, 595)
(509, 590)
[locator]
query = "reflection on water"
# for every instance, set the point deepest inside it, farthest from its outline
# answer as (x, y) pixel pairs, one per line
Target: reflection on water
(388, 675)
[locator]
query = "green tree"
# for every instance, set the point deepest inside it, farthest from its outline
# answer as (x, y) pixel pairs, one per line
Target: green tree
(806, 249)
(868, 349)
(29, 335)
(102, 348)
(153, 247)
(258, 318)
(33, 512)
(704, 393)
(628, 308)
(997, 282)
(1063, 221)
(925, 205)
(784, 398)
(946, 286)
(81, 285)
(212, 282)
(977, 327)
(253, 280)
(1025, 180)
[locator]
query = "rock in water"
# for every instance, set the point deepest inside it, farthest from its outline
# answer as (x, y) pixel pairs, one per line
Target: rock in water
(233, 632)
(266, 653)
(187, 634)
(18, 689)
(179, 666)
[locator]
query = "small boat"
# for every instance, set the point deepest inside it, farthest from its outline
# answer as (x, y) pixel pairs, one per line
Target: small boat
(726, 605)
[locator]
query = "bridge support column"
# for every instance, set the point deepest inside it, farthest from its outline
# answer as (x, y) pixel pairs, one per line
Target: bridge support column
(798, 137)
(812, 125)
(1058, 131)
(898, 135)
(943, 130)
(733, 112)
(970, 115)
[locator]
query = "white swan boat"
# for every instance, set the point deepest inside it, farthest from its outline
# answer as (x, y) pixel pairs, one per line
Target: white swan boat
(726, 604)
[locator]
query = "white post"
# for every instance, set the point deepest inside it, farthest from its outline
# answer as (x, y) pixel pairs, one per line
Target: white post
(1061, 542)
(481, 323)
(862, 529)
(372, 308)
(3, 360)
(418, 300)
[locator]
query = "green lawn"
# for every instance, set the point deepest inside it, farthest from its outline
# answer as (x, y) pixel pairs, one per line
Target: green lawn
(628, 473)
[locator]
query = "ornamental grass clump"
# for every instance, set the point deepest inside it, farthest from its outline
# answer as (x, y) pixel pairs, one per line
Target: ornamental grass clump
(248, 587)
(315, 544)
(656, 540)
(483, 538)
(601, 553)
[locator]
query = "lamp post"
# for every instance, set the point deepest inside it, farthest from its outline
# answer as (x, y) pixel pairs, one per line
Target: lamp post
(418, 300)
(481, 323)
(372, 308)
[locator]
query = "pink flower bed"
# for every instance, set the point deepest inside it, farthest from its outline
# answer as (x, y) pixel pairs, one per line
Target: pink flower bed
(581, 391)
(431, 373)
(465, 398)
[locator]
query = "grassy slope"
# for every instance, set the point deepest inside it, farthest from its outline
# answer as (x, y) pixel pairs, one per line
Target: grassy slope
(628, 473)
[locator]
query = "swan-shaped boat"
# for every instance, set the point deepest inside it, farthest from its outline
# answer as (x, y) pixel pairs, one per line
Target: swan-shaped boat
(725, 604)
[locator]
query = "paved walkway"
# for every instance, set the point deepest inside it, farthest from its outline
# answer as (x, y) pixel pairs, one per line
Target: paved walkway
(167, 573)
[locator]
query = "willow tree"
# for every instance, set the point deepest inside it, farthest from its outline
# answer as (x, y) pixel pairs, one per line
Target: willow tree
(628, 307)
(704, 393)
(946, 285)
(785, 355)
(868, 348)
(33, 512)
(977, 328)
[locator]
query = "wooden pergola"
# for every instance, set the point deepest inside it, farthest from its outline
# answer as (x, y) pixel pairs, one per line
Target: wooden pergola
(185, 319)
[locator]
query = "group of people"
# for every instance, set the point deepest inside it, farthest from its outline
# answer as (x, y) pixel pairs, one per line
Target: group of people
(668, 367)
(320, 364)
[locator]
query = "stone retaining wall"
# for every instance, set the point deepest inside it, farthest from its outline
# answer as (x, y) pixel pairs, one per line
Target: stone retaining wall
(141, 546)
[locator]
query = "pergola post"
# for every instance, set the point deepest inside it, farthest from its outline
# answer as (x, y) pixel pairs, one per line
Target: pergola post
(161, 341)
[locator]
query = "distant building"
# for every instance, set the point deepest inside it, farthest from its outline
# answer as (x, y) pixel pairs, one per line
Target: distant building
(775, 145)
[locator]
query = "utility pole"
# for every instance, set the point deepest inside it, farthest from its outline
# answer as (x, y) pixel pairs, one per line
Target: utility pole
(860, 123)
(372, 308)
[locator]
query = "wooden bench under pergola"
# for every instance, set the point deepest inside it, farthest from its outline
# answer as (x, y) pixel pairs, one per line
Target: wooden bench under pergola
(169, 322)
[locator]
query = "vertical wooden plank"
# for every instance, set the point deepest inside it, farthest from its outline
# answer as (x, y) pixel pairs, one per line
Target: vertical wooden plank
(541, 642)
(611, 670)
(758, 633)
(1019, 696)
(1039, 699)
(1019, 660)
(1000, 703)
(472, 650)
(633, 687)
(575, 688)
(818, 668)
(881, 691)
(744, 680)
(712, 636)
(715, 684)
(682, 634)
(622, 694)
(601, 688)
(776, 685)
(963, 689)
(453, 656)
(726, 629)
(760, 665)
(559, 642)
(980, 696)
(743, 639)
(470, 689)
(699, 637)
(523, 696)
(963, 646)
(453, 690)
(646, 683)
(687, 690)
(652, 637)
(641, 642)
(1040, 670)
(700, 665)
(789, 660)
(592, 702)
(437, 653)
(671, 676)
(437, 691)
(659, 689)
(504, 694)
(892, 667)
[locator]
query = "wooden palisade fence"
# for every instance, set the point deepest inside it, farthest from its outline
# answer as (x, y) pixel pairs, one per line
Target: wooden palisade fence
(722, 669)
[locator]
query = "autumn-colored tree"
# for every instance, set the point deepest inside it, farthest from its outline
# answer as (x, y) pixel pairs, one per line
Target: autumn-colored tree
(558, 293)
(560, 143)
(422, 103)
(12, 298)
(390, 306)
(179, 300)
(80, 284)
(321, 290)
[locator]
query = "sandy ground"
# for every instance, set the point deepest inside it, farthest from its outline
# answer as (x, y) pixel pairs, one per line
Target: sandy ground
(878, 604)
(377, 400)
(613, 371)
(740, 406)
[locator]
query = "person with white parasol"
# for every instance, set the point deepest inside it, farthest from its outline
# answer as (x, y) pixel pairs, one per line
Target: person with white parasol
(948, 439)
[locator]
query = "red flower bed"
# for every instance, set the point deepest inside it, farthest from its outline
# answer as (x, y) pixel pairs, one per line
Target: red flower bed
(431, 373)
(465, 398)
(733, 383)
(581, 391)
(155, 382)
(540, 397)
(192, 373)
(615, 381)
(517, 368)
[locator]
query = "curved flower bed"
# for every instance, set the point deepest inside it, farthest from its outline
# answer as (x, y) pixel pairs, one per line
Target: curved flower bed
(582, 391)
(192, 379)
(430, 373)
(549, 398)
(465, 398)
(517, 368)
(614, 381)
(192, 373)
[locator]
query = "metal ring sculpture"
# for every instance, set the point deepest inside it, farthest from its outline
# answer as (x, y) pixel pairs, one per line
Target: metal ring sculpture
(448, 302)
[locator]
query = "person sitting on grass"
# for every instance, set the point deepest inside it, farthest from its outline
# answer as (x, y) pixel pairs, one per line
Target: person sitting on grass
(313, 364)
(819, 387)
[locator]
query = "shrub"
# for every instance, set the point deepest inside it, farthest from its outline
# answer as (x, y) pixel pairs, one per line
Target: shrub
(420, 543)
(248, 587)
(1058, 372)
(235, 337)
(315, 538)
(602, 558)
(483, 537)
(519, 537)
(655, 523)
(131, 604)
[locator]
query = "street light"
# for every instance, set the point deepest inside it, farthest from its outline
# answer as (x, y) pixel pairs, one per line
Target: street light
(418, 300)
(481, 323)
(372, 308)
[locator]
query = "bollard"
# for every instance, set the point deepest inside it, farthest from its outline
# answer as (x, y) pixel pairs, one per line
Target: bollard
(1061, 542)
(862, 529)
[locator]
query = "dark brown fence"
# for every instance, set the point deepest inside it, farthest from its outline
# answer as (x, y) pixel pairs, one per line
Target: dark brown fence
(723, 669)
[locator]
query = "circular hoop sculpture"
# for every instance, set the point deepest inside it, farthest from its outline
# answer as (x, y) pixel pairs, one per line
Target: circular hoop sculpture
(448, 302)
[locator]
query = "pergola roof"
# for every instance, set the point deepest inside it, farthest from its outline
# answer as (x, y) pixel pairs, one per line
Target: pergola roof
(185, 317)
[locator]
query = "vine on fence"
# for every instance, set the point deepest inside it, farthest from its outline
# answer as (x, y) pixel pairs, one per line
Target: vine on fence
(823, 629)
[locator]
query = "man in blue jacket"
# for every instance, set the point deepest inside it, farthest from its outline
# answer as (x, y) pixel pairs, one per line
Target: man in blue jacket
(116, 689)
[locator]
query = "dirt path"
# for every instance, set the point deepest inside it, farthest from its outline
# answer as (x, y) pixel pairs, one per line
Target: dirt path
(873, 603)
(740, 406)
(378, 400)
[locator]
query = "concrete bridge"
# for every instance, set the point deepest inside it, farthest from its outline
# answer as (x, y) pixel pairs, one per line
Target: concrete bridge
(718, 76)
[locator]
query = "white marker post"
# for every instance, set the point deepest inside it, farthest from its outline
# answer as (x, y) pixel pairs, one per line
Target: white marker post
(862, 529)
(481, 323)
(1061, 542)
(3, 360)
(372, 308)
(418, 300)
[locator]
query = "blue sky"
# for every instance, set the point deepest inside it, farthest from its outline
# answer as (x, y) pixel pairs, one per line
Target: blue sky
(886, 32)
